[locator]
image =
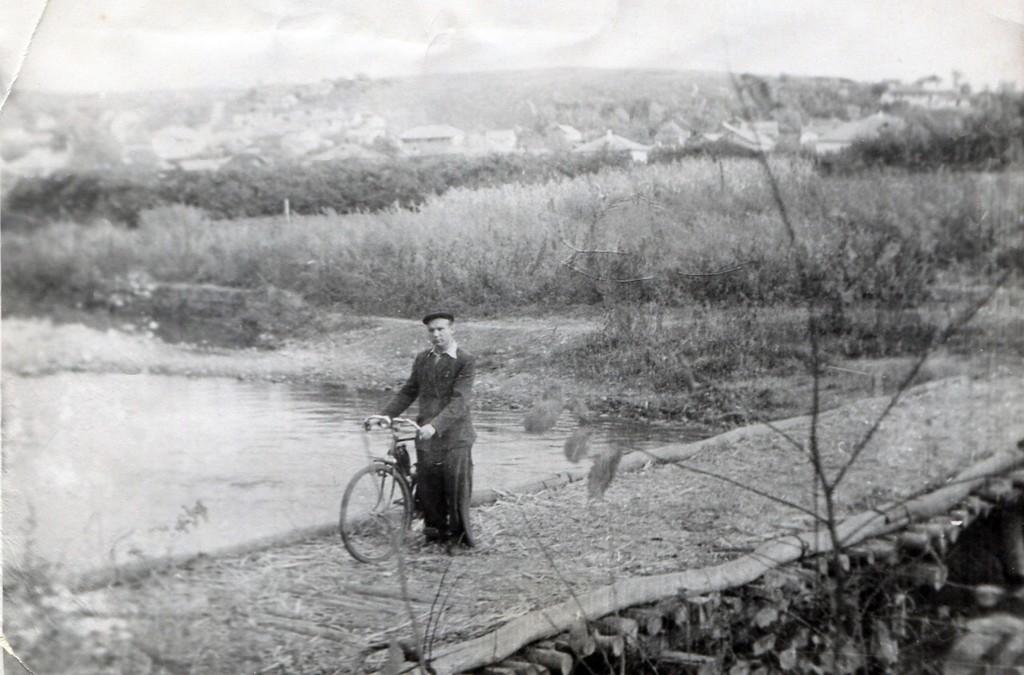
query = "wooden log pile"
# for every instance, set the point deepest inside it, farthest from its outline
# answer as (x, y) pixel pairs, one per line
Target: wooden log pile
(637, 615)
(607, 642)
(652, 630)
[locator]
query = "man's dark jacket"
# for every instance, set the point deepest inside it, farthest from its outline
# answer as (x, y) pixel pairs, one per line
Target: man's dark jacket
(444, 391)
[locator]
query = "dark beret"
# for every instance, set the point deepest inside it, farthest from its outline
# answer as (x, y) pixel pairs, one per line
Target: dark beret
(441, 314)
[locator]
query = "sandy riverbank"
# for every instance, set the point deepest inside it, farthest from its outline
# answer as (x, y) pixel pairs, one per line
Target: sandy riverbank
(364, 353)
(514, 358)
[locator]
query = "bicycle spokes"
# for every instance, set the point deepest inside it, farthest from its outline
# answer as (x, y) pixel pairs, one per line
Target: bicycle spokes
(374, 513)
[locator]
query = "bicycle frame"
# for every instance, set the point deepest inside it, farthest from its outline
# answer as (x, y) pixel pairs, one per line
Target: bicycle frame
(397, 455)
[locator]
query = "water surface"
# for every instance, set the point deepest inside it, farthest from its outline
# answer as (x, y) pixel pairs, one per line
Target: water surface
(109, 469)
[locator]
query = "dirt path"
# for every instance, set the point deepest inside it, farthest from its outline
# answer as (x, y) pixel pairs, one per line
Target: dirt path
(370, 353)
(309, 608)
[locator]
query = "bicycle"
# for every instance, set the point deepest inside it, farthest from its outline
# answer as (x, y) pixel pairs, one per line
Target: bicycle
(386, 488)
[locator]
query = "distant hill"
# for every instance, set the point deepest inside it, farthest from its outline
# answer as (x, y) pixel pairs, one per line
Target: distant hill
(578, 96)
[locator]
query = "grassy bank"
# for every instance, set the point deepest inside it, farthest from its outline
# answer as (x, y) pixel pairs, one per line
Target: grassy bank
(504, 248)
(875, 248)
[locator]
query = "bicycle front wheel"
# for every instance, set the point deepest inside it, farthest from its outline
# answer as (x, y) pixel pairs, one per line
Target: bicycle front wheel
(376, 511)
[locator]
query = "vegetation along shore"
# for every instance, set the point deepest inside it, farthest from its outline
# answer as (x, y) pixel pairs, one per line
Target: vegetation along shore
(662, 290)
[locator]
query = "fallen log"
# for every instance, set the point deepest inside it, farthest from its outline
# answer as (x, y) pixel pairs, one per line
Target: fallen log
(878, 551)
(988, 596)
(498, 670)
(961, 518)
(686, 659)
(539, 624)
(978, 507)
(998, 491)
(935, 532)
(678, 612)
(619, 625)
(649, 620)
(613, 645)
(523, 668)
(580, 640)
(555, 661)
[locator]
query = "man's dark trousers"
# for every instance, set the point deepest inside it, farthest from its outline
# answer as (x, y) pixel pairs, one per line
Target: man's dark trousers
(444, 486)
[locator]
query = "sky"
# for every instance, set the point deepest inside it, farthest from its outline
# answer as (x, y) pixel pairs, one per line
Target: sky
(126, 45)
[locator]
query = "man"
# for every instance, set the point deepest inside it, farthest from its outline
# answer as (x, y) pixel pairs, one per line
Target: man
(442, 380)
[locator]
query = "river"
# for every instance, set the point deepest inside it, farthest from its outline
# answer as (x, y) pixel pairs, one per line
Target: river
(103, 470)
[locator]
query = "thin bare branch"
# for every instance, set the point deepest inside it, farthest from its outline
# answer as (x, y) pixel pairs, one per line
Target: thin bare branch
(403, 580)
(904, 384)
(773, 183)
(588, 251)
(718, 273)
(568, 264)
(432, 619)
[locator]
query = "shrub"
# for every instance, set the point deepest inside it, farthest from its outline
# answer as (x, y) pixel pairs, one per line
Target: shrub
(989, 138)
(336, 187)
(877, 238)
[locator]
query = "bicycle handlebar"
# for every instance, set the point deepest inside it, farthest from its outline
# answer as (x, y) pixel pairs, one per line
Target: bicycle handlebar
(385, 422)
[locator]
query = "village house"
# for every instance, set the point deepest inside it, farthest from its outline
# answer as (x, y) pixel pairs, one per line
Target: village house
(756, 137)
(38, 161)
(766, 129)
(671, 134)
(177, 142)
(571, 136)
(500, 140)
(366, 128)
(922, 97)
(838, 138)
(20, 138)
(142, 155)
(815, 129)
(434, 139)
(245, 160)
(230, 140)
(127, 126)
(614, 144)
(302, 143)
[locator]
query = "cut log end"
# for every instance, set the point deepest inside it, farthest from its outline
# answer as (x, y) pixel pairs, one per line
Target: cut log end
(613, 645)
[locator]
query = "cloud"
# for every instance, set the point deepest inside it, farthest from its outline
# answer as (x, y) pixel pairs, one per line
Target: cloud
(138, 44)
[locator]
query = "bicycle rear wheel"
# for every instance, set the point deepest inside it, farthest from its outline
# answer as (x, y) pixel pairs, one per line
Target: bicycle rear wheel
(376, 511)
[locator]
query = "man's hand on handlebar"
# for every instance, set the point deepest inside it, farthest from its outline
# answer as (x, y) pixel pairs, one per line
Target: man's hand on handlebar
(427, 432)
(382, 421)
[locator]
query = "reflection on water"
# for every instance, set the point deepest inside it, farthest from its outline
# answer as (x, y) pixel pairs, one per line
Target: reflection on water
(106, 469)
